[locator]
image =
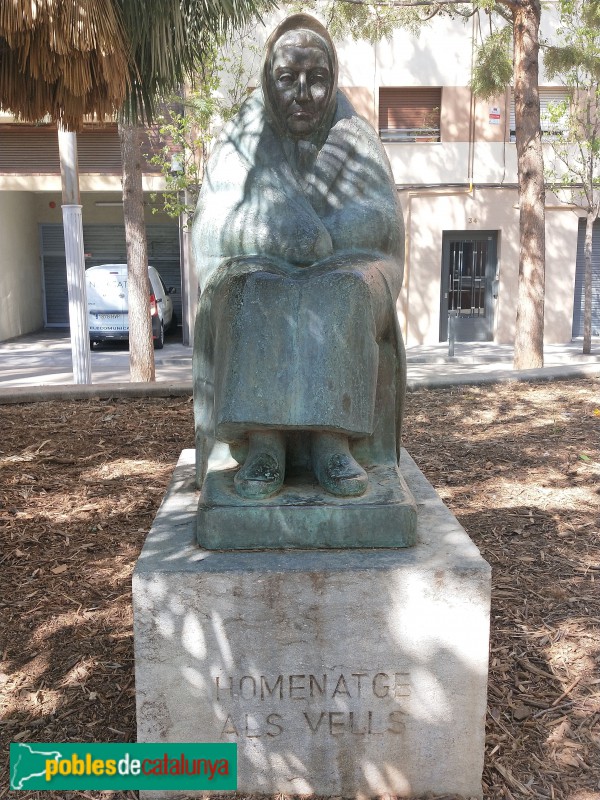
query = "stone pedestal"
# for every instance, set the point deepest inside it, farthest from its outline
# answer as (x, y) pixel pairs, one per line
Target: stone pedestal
(304, 517)
(352, 673)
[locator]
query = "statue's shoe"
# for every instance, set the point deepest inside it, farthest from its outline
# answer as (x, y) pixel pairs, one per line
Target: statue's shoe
(341, 475)
(260, 477)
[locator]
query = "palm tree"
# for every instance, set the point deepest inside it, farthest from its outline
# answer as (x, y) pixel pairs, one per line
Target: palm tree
(64, 60)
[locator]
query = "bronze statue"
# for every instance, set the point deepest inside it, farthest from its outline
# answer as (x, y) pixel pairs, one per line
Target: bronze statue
(299, 246)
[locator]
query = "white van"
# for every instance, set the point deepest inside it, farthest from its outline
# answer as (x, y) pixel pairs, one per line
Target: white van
(107, 302)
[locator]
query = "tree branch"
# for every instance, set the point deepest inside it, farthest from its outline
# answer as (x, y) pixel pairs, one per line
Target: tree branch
(512, 4)
(406, 3)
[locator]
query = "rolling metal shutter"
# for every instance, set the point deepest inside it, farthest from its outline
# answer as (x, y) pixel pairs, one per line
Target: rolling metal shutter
(409, 114)
(163, 253)
(104, 244)
(579, 270)
(56, 298)
(33, 150)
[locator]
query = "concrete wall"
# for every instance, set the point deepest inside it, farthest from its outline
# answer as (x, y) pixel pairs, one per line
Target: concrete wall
(561, 253)
(21, 279)
(429, 213)
(21, 308)
(440, 55)
(91, 212)
(87, 183)
(429, 163)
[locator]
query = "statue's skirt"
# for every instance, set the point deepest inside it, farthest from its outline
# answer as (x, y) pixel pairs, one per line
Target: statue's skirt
(296, 348)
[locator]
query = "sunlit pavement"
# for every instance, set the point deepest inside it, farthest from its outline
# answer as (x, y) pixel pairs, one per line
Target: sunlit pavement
(483, 362)
(44, 359)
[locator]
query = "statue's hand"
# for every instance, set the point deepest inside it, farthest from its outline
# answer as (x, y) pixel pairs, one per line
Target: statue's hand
(303, 253)
(290, 232)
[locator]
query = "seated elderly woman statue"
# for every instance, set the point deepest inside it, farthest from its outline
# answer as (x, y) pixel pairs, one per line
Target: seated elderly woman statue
(298, 242)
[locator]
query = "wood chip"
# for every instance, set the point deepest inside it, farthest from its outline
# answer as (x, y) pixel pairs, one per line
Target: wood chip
(567, 691)
(97, 484)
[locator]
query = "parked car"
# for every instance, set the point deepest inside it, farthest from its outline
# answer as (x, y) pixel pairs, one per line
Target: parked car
(107, 302)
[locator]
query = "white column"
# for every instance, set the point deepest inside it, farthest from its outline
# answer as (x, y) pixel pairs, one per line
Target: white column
(189, 280)
(74, 252)
(80, 337)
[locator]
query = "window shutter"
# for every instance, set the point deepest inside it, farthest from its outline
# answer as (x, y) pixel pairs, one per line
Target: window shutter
(547, 98)
(33, 150)
(512, 116)
(410, 114)
(550, 97)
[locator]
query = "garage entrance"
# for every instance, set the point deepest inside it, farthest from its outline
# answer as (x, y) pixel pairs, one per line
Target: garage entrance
(104, 244)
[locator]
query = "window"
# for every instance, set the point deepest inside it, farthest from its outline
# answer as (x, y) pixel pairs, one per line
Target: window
(553, 123)
(409, 115)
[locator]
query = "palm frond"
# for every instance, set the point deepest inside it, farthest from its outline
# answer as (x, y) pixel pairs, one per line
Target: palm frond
(169, 40)
(66, 59)
(62, 59)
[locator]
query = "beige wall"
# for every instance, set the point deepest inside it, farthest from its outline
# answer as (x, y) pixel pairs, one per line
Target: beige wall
(456, 116)
(21, 213)
(87, 183)
(20, 274)
(363, 101)
(561, 252)
(429, 214)
(91, 212)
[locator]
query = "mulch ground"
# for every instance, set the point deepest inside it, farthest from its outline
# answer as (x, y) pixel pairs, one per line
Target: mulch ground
(519, 465)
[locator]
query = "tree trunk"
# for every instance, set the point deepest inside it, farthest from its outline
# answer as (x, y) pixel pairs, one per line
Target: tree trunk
(141, 348)
(529, 335)
(587, 283)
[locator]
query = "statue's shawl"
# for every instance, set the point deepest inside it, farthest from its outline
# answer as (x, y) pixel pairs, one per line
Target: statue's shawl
(295, 202)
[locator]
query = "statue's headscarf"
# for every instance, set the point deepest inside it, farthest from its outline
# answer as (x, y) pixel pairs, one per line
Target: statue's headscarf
(300, 22)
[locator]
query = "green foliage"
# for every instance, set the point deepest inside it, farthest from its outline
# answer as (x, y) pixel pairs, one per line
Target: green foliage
(361, 21)
(182, 134)
(181, 140)
(493, 68)
(169, 40)
(573, 172)
(559, 60)
(374, 21)
(576, 58)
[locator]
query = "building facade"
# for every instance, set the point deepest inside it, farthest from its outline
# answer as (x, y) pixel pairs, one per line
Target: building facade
(454, 162)
(33, 281)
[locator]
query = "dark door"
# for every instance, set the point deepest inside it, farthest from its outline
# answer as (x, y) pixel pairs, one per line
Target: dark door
(468, 281)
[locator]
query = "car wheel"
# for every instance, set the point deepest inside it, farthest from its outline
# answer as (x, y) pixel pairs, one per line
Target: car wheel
(159, 342)
(93, 343)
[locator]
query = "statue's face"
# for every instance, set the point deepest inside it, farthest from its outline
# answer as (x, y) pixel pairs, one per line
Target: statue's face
(300, 82)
